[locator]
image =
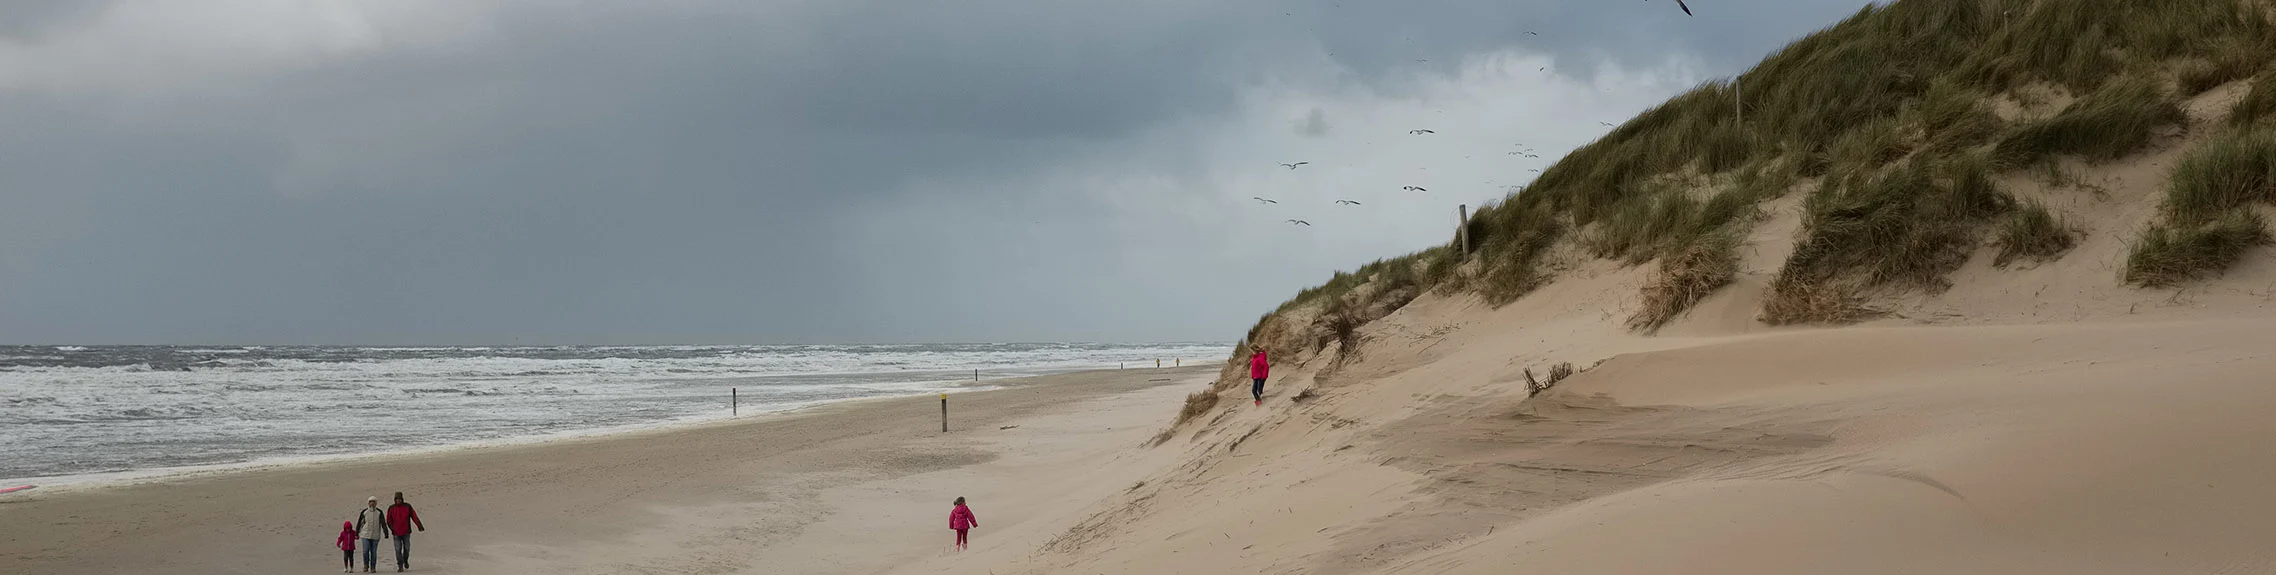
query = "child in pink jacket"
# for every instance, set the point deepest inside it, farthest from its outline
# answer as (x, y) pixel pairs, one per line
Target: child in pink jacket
(347, 545)
(961, 520)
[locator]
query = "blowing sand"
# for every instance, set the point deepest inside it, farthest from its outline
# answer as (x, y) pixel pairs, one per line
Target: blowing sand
(850, 488)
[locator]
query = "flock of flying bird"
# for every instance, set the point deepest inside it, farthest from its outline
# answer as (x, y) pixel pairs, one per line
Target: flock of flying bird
(1425, 132)
(1527, 153)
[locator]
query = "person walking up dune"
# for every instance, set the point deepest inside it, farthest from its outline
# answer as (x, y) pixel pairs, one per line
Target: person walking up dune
(961, 520)
(371, 526)
(1259, 368)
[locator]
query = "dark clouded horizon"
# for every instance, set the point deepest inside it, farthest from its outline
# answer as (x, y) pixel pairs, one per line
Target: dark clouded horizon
(695, 171)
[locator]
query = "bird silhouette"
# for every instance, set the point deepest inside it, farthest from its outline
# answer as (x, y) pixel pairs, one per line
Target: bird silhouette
(1534, 170)
(1293, 166)
(1300, 222)
(1532, 33)
(1347, 202)
(1421, 132)
(1414, 189)
(1686, 9)
(1421, 60)
(1532, 156)
(1263, 200)
(1606, 124)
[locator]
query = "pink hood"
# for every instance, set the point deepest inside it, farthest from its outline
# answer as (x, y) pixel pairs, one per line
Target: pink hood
(961, 518)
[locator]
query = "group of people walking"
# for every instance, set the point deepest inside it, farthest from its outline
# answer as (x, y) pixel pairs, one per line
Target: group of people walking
(373, 524)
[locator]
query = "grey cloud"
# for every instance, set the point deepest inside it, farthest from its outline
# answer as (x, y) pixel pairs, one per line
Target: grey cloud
(721, 171)
(1314, 124)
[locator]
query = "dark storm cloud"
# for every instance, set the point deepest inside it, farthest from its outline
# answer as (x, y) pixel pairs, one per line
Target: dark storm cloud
(693, 171)
(1314, 124)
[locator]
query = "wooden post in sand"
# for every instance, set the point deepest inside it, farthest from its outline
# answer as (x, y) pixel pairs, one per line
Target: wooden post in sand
(734, 404)
(1462, 226)
(944, 412)
(975, 375)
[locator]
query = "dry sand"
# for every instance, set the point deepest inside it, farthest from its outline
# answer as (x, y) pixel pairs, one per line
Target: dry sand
(848, 488)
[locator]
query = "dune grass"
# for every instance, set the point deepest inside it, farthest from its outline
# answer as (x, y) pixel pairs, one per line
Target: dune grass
(2207, 221)
(2115, 121)
(2170, 253)
(1687, 277)
(2235, 168)
(2231, 60)
(2259, 104)
(2032, 233)
(1904, 226)
(1196, 404)
(1888, 109)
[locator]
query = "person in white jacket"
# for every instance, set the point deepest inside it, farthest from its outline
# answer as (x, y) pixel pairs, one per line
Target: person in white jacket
(371, 526)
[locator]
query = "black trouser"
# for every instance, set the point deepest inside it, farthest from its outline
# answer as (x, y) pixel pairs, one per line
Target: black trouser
(348, 558)
(403, 551)
(1258, 389)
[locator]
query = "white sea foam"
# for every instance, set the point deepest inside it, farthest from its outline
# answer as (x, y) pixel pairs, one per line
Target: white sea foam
(137, 409)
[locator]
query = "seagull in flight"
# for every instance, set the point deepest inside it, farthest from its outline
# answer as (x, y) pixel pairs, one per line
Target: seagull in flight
(1347, 202)
(1535, 170)
(1532, 33)
(1414, 188)
(1686, 9)
(1421, 132)
(1532, 155)
(1300, 223)
(1293, 166)
(1262, 200)
(1606, 124)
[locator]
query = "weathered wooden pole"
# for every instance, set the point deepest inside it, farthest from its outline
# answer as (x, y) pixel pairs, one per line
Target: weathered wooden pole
(734, 404)
(944, 412)
(1462, 226)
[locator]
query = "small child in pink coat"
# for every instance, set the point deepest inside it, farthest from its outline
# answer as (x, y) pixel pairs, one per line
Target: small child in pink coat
(347, 545)
(961, 520)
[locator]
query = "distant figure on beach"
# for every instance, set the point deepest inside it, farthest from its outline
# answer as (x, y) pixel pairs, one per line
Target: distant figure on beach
(961, 520)
(371, 526)
(1259, 368)
(400, 518)
(347, 545)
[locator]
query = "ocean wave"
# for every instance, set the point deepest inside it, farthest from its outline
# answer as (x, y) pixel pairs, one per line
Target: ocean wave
(131, 406)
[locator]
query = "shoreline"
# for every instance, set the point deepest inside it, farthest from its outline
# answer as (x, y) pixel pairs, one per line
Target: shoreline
(106, 479)
(102, 479)
(500, 508)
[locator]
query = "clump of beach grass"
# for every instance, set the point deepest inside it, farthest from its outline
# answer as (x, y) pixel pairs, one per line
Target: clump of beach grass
(2207, 221)
(2115, 121)
(1687, 277)
(2032, 233)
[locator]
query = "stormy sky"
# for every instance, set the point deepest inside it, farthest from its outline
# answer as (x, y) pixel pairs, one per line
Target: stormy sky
(777, 171)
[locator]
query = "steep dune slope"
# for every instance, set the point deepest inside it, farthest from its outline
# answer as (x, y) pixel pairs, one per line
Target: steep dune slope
(1985, 290)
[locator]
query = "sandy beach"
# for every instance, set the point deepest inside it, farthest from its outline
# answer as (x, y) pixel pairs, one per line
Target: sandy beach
(855, 487)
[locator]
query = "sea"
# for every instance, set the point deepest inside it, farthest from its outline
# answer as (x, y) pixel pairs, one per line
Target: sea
(73, 412)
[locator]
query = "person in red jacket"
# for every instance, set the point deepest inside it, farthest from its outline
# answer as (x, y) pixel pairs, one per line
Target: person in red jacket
(961, 520)
(347, 545)
(1258, 369)
(400, 518)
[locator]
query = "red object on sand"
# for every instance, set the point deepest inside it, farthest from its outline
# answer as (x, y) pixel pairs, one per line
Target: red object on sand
(17, 488)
